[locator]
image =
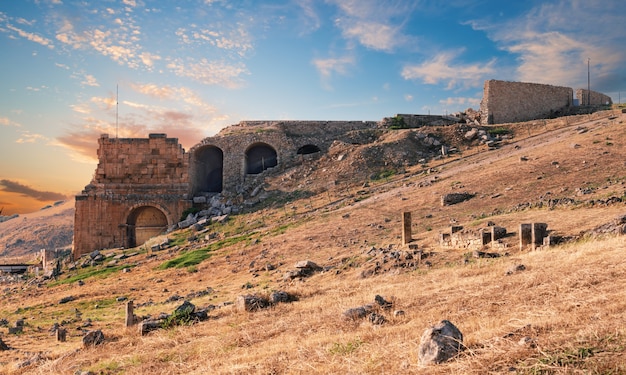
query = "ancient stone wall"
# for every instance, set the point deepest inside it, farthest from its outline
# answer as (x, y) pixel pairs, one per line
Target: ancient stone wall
(288, 139)
(140, 187)
(586, 97)
(505, 101)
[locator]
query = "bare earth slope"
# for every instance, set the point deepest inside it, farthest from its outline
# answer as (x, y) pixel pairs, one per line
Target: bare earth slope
(563, 312)
(50, 228)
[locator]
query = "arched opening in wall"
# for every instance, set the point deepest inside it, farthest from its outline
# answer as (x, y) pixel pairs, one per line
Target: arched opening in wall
(259, 157)
(308, 149)
(208, 173)
(144, 223)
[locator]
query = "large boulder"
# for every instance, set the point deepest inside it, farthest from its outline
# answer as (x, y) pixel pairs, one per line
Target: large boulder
(439, 343)
(93, 338)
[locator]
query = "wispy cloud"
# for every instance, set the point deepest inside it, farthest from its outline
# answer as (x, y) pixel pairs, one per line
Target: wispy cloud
(29, 137)
(553, 41)
(5, 121)
(10, 186)
(333, 65)
(443, 69)
(209, 72)
(31, 36)
(374, 24)
(167, 92)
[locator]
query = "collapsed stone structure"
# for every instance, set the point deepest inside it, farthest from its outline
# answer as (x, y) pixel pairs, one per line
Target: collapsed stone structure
(505, 101)
(142, 186)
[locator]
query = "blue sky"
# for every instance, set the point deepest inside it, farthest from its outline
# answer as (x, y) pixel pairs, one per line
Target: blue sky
(190, 68)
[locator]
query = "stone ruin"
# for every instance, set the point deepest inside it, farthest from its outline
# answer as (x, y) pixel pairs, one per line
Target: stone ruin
(460, 238)
(142, 186)
(531, 235)
(505, 102)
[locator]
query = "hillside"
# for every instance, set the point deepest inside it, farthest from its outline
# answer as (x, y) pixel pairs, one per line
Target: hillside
(562, 312)
(49, 228)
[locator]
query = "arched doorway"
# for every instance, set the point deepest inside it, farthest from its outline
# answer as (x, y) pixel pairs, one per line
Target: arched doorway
(208, 164)
(144, 223)
(259, 157)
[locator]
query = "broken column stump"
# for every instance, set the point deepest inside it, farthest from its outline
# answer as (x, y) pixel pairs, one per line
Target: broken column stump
(61, 334)
(130, 316)
(406, 228)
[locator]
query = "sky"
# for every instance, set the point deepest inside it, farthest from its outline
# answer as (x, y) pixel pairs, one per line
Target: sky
(73, 70)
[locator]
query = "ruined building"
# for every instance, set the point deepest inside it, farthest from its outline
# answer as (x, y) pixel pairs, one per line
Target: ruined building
(142, 186)
(505, 102)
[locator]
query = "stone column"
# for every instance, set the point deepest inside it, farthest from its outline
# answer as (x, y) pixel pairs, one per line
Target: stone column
(539, 231)
(61, 334)
(130, 317)
(525, 235)
(406, 228)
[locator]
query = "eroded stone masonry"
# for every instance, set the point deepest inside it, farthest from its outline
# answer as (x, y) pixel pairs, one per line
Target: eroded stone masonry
(142, 186)
(505, 102)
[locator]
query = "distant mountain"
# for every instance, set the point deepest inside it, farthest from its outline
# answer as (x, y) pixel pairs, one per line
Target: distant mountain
(52, 227)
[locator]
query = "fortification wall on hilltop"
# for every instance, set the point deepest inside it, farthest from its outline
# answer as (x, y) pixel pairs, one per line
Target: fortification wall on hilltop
(586, 97)
(505, 101)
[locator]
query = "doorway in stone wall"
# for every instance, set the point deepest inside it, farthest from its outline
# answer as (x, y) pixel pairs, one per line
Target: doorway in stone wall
(259, 157)
(208, 164)
(144, 223)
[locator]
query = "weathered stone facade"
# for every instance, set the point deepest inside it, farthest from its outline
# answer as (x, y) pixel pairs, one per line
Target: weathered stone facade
(139, 189)
(505, 101)
(586, 97)
(226, 160)
(142, 186)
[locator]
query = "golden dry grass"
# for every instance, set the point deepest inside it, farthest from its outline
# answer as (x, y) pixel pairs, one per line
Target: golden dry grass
(568, 302)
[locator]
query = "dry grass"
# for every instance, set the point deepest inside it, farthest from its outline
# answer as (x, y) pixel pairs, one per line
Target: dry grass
(568, 302)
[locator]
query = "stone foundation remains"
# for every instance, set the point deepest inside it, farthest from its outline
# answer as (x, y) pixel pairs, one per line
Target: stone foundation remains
(459, 238)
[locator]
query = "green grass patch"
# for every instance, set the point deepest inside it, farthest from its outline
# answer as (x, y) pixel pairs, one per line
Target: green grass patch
(382, 174)
(194, 257)
(99, 273)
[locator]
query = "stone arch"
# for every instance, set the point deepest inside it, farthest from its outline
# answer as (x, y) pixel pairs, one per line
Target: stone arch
(259, 157)
(308, 149)
(143, 223)
(208, 168)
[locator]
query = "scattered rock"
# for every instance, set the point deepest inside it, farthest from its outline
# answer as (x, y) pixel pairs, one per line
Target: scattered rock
(527, 341)
(454, 198)
(93, 338)
(3, 346)
(385, 305)
(357, 313)
(483, 254)
(377, 319)
(251, 303)
(439, 343)
(515, 268)
(66, 299)
(281, 297)
(304, 268)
